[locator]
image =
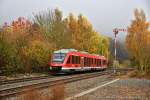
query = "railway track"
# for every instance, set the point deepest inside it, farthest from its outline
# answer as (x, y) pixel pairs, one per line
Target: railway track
(67, 79)
(3, 82)
(44, 83)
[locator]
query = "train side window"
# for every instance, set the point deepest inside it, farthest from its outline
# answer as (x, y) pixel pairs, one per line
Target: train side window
(89, 61)
(98, 62)
(79, 59)
(95, 62)
(76, 59)
(92, 60)
(68, 61)
(101, 62)
(104, 62)
(73, 59)
(86, 61)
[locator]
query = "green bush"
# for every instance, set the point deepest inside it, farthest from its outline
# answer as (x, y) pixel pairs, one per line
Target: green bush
(9, 62)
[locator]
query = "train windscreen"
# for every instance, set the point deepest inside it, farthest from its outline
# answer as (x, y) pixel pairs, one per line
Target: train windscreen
(58, 57)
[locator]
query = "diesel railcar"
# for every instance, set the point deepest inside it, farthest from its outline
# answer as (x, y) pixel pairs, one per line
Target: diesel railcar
(68, 60)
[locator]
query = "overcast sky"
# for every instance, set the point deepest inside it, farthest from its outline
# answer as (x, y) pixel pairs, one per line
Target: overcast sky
(103, 14)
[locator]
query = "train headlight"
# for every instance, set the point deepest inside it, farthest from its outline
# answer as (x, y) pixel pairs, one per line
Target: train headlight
(50, 68)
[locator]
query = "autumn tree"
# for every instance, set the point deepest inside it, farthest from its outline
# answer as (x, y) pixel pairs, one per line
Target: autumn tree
(91, 41)
(37, 55)
(73, 30)
(18, 47)
(9, 62)
(137, 41)
(86, 32)
(26, 46)
(104, 47)
(53, 27)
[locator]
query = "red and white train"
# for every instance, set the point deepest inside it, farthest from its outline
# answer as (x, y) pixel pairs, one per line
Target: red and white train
(68, 60)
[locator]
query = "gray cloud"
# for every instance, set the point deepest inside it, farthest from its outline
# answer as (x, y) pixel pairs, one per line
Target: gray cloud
(103, 14)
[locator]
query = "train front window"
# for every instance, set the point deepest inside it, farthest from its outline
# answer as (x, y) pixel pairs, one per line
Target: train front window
(58, 57)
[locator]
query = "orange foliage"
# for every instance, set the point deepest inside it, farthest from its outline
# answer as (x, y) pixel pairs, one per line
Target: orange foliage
(20, 24)
(138, 41)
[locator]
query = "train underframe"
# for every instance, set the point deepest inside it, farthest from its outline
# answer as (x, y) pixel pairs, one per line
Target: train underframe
(60, 69)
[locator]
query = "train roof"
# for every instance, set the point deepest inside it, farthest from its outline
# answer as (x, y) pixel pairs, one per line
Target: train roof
(65, 51)
(69, 50)
(74, 51)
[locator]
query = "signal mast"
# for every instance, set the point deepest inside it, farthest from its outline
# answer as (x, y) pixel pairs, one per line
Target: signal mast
(116, 31)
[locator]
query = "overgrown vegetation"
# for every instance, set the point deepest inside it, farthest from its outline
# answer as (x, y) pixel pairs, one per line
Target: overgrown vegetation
(26, 46)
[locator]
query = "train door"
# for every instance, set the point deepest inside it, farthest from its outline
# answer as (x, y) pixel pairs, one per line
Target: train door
(101, 63)
(82, 62)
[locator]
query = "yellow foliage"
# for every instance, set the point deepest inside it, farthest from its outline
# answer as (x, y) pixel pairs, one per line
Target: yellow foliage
(137, 40)
(37, 50)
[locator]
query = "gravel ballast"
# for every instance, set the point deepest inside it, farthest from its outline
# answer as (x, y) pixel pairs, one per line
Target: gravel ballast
(127, 89)
(123, 89)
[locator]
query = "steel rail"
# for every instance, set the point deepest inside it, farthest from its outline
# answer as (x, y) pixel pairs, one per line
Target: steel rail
(22, 89)
(22, 80)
